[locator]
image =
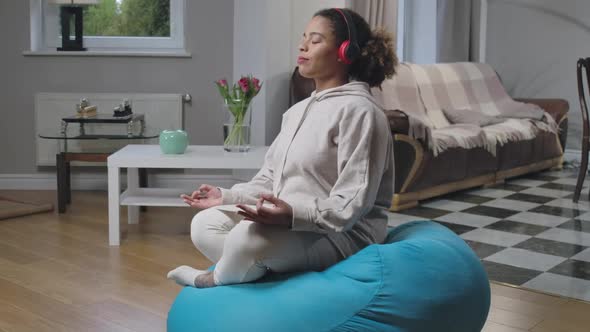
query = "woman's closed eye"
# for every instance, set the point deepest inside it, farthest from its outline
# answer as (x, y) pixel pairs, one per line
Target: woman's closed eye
(313, 41)
(314, 37)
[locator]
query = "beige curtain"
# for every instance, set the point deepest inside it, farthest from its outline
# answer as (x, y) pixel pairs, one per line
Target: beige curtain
(379, 13)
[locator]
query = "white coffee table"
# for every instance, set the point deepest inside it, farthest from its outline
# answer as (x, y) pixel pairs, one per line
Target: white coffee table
(134, 156)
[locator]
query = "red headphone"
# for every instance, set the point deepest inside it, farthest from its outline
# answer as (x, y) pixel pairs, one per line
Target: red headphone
(349, 50)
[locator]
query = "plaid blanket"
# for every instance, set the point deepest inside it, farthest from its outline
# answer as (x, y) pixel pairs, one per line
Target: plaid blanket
(401, 93)
(424, 90)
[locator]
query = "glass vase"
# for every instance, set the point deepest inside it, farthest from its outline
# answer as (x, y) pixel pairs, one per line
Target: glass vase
(236, 127)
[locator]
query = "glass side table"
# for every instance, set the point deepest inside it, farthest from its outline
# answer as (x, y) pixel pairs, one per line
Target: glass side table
(129, 120)
(92, 145)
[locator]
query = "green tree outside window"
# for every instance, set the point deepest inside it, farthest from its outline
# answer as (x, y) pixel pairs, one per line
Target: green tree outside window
(136, 18)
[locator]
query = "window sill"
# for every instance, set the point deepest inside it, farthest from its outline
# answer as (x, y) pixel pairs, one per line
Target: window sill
(148, 54)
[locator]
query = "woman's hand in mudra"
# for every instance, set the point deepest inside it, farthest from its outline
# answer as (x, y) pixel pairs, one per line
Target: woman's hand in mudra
(279, 213)
(207, 196)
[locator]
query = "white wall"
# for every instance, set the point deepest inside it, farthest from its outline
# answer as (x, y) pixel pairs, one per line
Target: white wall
(266, 39)
(278, 66)
(534, 46)
(23, 76)
(250, 56)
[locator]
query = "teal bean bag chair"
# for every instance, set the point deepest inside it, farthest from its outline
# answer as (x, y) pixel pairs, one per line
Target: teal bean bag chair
(424, 278)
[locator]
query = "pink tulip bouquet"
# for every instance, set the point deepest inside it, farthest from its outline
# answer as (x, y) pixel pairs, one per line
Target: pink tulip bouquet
(237, 99)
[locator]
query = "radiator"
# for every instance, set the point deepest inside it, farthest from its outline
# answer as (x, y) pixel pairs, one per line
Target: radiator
(162, 111)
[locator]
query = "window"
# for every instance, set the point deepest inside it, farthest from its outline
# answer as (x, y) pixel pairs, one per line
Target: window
(120, 25)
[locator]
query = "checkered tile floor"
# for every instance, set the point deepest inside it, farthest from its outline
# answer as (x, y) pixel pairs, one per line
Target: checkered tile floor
(527, 231)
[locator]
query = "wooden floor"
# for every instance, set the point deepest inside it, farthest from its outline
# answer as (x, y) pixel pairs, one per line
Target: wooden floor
(57, 273)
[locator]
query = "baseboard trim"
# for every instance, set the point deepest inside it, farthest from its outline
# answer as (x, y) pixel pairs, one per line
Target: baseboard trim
(571, 155)
(99, 181)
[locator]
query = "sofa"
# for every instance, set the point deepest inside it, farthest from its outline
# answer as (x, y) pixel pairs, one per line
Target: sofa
(435, 155)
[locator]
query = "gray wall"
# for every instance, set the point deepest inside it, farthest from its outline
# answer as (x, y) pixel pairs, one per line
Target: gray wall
(209, 34)
(420, 21)
(534, 46)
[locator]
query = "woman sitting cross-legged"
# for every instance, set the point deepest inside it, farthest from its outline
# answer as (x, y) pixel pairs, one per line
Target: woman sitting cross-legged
(327, 178)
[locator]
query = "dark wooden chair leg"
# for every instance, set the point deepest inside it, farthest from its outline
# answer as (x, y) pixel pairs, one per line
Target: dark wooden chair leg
(68, 192)
(583, 67)
(582, 173)
(143, 183)
(60, 170)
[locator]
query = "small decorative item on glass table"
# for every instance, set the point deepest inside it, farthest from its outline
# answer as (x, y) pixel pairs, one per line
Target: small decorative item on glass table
(85, 110)
(123, 110)
(236, 101)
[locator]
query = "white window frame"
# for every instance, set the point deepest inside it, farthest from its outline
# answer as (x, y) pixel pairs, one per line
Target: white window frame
(407, 38)
(48, 34)
(400, 48)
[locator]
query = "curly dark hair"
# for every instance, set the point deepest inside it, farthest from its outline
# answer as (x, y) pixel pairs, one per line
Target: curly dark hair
(377, 60)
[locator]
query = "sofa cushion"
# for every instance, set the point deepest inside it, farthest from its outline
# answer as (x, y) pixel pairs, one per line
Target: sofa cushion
(466, 136)
(470, 116)
(451, 165)
(522, 153)
(438, 119)
(510, 130)
(534, 113)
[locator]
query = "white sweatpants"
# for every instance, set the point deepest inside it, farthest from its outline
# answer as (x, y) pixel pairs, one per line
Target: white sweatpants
(245, 250)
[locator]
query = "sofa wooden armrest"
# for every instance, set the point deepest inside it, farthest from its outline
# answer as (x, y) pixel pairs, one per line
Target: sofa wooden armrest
(558, 109)
(409, 155)
(398, 121)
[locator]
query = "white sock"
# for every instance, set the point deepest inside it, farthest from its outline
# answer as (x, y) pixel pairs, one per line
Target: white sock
(185, 275)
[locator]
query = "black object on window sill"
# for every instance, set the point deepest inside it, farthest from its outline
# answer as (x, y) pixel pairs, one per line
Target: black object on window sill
(67, 13)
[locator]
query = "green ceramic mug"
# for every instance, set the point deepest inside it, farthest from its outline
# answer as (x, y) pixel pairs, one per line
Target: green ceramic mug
(173, 141)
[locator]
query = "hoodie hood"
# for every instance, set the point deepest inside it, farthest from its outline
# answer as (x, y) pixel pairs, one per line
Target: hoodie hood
(354, 88)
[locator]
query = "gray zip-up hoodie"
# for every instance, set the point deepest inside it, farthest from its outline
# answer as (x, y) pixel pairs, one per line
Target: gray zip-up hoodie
(333, 163)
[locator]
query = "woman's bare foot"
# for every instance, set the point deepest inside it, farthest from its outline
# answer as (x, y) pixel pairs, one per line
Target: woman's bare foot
(205, 280)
